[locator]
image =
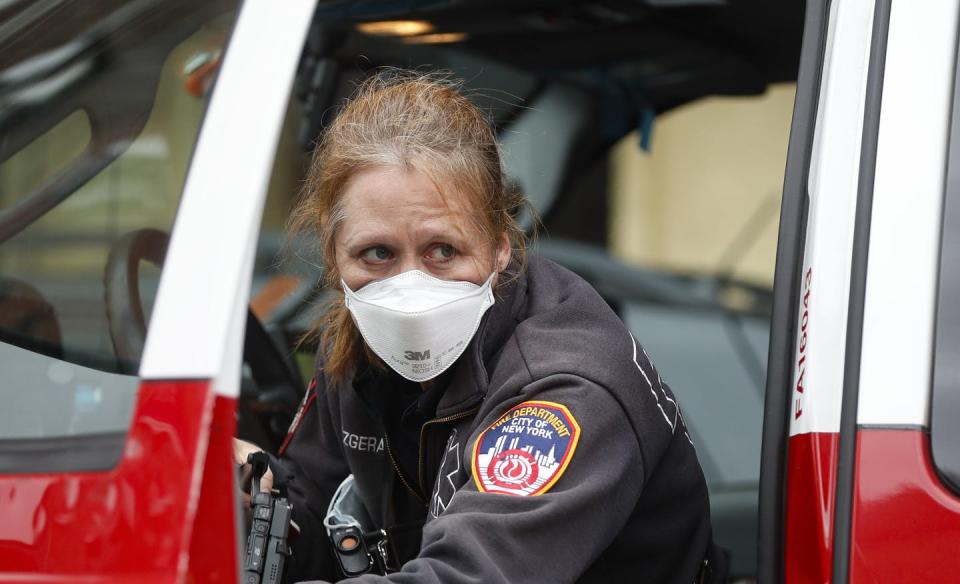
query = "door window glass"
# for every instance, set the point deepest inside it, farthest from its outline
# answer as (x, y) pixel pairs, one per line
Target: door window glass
(100, 105)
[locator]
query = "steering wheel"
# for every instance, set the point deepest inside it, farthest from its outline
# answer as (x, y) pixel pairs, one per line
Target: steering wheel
(270, 394)
(121, 285)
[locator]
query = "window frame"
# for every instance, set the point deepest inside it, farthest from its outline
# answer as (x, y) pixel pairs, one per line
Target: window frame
(945, 384)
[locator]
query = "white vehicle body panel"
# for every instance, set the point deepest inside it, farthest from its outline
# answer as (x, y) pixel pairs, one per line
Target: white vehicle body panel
(200, 312)
(832, 189)
(898, 326)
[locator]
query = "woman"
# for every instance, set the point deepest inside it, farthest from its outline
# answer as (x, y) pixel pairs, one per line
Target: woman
(500, 422)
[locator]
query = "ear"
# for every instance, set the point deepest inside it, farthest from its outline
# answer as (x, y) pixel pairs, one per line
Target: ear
(503, 252)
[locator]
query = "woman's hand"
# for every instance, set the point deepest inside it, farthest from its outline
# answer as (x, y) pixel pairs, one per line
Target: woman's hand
(241, 449)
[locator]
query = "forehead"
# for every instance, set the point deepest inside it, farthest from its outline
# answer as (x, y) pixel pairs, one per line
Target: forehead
(389, 195)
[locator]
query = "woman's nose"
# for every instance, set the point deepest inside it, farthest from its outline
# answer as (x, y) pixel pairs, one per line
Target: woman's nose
(410, 262)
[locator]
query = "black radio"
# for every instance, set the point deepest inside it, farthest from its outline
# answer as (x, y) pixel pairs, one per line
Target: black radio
(267, 550)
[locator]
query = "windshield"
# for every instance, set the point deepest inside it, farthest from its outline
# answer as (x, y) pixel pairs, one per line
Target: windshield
(100, 105)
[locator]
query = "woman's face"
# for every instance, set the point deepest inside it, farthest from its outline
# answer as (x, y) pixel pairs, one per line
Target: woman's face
(396, 221)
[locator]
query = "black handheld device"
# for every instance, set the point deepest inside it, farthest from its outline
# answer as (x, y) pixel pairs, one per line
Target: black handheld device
(359, 553)
(267, 549)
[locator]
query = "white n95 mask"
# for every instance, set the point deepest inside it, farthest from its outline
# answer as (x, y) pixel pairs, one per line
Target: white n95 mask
(419, 325)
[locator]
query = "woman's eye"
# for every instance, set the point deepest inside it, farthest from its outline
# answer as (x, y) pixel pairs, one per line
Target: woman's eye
(442, 252)
(376, 254)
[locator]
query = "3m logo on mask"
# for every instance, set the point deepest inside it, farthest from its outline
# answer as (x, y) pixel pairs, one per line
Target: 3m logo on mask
(417, 355)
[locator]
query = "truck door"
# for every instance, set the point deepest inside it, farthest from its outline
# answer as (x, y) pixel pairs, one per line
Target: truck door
(116, 422)
(849, 487)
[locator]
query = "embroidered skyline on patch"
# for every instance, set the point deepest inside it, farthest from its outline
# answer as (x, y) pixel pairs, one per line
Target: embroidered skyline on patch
(526, 451)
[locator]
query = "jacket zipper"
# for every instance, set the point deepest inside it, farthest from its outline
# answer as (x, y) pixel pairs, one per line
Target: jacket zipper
(396, 469)
(423, 430)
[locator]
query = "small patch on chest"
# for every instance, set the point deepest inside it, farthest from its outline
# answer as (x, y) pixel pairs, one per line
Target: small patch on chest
(362, 443)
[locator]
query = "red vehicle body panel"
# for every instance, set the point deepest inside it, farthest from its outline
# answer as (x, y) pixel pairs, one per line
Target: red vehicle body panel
(138, 521)
(811, 496)
(214, 544)
(906, 523)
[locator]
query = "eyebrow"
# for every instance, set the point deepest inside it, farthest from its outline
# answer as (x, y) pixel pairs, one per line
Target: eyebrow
(428, 230)
(366, 239)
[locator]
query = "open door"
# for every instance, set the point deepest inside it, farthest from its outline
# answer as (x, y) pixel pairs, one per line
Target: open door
(116, 427)
(848, 489)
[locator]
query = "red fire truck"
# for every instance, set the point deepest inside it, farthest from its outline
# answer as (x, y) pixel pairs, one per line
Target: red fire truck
(145, 321)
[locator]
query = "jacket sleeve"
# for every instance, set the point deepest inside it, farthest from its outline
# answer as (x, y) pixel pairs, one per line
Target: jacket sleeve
(311, 467)
(550, 537)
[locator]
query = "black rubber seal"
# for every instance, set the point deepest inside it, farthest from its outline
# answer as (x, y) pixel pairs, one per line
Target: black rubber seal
(786, 297)
(83, 453)
(842, 517)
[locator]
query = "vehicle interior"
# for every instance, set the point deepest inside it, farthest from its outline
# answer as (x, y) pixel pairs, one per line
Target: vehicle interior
(99, 115)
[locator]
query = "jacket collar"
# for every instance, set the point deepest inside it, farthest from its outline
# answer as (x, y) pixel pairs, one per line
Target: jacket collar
(469, 377)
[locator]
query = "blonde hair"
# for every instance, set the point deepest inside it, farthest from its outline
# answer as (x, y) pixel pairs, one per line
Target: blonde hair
(413, 121)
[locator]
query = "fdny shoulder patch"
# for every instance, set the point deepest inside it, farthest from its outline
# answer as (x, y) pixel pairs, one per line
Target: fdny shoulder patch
(526, 451)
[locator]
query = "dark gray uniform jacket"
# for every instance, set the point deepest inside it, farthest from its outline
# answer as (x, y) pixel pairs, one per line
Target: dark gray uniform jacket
(631, 505)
